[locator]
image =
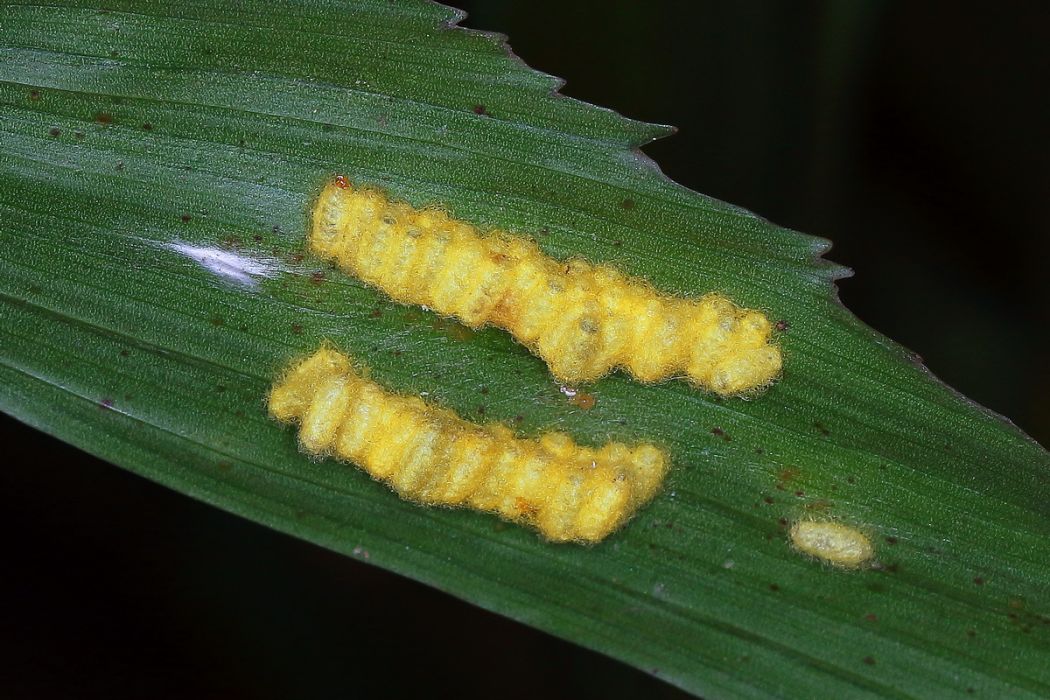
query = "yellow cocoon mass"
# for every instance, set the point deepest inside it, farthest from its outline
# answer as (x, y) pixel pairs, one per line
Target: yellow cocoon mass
(583, 320)
(430, 455)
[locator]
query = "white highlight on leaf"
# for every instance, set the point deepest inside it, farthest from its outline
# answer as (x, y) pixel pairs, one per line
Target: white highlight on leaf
(230, 266)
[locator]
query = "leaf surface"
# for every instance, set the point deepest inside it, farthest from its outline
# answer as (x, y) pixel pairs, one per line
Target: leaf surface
(157, 165)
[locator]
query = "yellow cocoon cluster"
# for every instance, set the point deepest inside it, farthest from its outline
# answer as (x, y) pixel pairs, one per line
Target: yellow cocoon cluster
(584, 320)
(832, 542)
(431, 455)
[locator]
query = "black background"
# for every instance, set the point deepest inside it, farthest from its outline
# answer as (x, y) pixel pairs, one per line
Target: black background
(914, 135)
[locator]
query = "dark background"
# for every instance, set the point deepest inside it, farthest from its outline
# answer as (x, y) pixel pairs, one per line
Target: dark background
(916, 137)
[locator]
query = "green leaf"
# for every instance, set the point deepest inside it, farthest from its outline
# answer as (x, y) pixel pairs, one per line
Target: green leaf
(157, 164)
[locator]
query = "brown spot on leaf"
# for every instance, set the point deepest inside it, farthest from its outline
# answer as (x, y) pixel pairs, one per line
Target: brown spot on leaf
(34, 95)
(869, 660)
(297, 328)
(782, 325)
(584, 401)
(185, 218)
(103, 118)
(871, 617)
(627, 204)
(481, 111)
(147, 126)
(55, 132)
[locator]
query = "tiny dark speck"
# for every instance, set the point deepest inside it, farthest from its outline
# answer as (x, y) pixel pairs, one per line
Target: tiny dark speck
(185, 218)
(627, 204)
(774, 587)
(891, 540)
(376, 313)
(55, 131)
(480, 110)
(717, 431)
(104, 118)
(871, 617)
(124, 353)
(484, 390)
(257, 238)
(120, 165)
(327, 127)
(869, 660)
(147, 126)
(34, 95)
(114, 53)
(978, 581)
(768, 499)
(519, 418)
(217, 321)
(106, 404)
(297, 328)
(481, 410)
(398, 353)
(782, 325)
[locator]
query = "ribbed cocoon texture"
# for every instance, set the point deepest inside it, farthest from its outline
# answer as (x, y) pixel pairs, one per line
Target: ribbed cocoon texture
(583, 320)
(430, 455)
